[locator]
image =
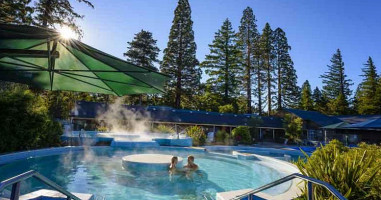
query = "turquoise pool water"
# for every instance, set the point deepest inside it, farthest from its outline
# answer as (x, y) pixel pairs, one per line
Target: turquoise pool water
(99, 171)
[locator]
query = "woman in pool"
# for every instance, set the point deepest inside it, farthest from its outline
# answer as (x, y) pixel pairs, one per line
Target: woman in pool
(191, 165)
(172, 166)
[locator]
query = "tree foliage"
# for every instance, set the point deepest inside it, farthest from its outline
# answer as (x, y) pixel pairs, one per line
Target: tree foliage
(179, 59)
(336, 85)
(306, 102)
(222, 64)
(286, 78)
(16, 12)
(319, 101)
(266, 44)
(25, 122)
(50, 13)
(248, 36)
(366, 95)
(142, 50)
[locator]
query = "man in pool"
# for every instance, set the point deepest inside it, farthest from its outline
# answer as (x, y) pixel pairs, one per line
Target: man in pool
(191, 165)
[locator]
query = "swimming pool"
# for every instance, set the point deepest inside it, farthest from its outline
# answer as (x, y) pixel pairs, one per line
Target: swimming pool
(99, 171)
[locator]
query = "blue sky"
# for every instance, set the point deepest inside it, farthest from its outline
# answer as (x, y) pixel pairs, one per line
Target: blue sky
(315, 29)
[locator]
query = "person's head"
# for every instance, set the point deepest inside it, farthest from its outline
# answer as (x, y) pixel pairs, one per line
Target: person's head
(174, 160)
(191, 159)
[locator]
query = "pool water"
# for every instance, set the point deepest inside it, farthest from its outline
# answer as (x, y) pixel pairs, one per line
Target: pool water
(99, 171)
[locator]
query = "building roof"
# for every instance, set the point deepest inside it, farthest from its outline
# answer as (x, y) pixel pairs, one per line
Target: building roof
(336, 126)
(166, 114)
(353, 119)
(316, 117)
(271, 122)
(369, 124)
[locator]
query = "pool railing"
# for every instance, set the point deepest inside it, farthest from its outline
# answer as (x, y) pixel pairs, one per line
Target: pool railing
(310, 182)
(16, 183)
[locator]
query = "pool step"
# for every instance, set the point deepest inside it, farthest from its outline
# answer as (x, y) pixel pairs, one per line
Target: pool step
(45, 194)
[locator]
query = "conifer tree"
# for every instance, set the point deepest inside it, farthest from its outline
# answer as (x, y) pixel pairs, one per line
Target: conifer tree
(16, 12)
(306, 102)
(50, 13)
(287, 89)
(318, 99)
(266, 44)
(223, 64)
(248, 42)
(366, 94)
(142, 50)
(336, 84)
(179, 59)
(259, 79)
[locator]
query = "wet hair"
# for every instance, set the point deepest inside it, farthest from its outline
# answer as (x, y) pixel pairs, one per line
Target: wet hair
(174, 158)
(191, 158)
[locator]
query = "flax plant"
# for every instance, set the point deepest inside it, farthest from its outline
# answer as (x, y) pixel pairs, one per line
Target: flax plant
(355, 172)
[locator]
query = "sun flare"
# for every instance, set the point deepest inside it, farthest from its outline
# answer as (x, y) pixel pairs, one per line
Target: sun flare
(67, 33)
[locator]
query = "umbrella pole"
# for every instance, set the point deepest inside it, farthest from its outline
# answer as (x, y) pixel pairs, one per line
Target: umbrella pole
(51, 62)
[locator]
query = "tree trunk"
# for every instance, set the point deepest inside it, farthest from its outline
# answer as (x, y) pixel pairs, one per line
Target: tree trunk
(279, 86)
(259, 85)
(248, 81)
(179, 70)
(226, 96)
(268, 88)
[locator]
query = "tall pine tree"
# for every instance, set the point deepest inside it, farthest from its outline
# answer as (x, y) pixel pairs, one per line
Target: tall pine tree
(179, 59)
(223, 64)
(16, 12)
(50, 13)
(367, 99)
(287, 89)
(266, 44)
(142, 50)
(248, 42)
(336, 85)
(306, 102)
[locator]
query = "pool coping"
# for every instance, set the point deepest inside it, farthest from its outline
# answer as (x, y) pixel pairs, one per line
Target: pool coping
(11, 157)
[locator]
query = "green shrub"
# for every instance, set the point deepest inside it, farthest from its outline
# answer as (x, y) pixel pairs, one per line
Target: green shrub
(293, 128)
(241, 135)
(354, 172)
(221, 135)
(25, 122)
(197, 134)
(164, 129)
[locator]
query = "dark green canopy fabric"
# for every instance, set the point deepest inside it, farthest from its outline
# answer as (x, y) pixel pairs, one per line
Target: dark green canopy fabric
(42, 58)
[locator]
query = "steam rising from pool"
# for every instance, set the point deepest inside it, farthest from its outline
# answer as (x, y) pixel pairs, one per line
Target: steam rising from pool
(123, 123)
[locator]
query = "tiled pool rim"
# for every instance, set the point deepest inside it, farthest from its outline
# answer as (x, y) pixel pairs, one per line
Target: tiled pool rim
(264, 160)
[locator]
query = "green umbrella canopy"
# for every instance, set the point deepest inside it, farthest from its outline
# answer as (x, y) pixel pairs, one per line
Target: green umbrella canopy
(42, 58)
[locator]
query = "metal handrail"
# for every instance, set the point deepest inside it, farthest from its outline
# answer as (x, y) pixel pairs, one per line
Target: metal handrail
(16, 182)
(309, 180)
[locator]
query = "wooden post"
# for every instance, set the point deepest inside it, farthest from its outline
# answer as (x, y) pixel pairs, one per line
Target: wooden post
(274, 134)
